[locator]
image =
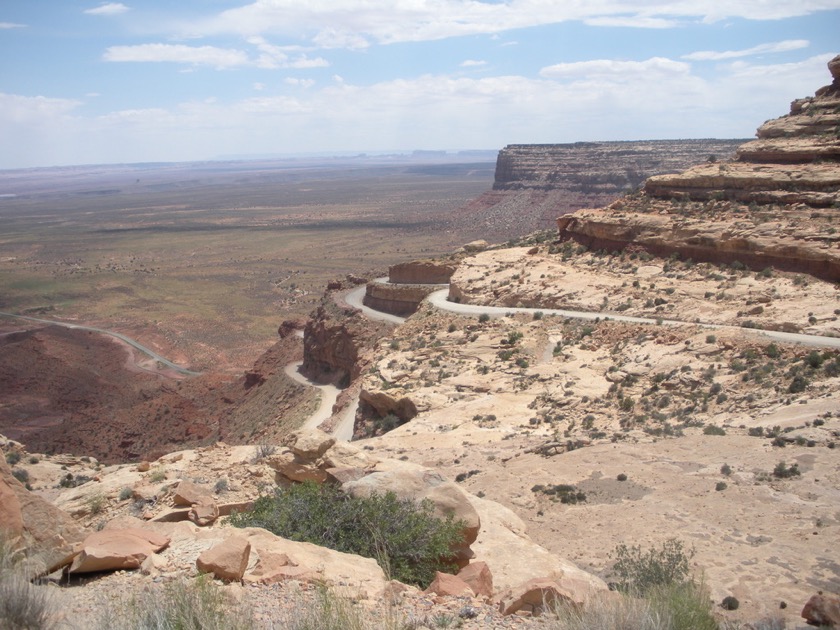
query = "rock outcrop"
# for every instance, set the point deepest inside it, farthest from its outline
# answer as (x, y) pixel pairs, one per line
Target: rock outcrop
(335, 341)
(421, 272)
(397, 299)
(36, 526)
(771, 207)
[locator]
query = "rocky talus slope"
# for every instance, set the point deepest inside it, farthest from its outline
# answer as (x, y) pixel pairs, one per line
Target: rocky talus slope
(775, 205)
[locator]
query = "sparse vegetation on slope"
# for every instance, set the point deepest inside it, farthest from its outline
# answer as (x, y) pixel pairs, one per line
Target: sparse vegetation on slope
(407, 540)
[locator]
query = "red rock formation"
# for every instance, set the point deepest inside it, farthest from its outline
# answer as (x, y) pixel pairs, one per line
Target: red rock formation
(773, 206)
(421, 272)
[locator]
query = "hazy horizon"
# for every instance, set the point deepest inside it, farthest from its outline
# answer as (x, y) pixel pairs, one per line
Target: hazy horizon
(119, 83)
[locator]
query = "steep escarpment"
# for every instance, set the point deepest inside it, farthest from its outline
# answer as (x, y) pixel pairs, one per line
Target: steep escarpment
(775, 205)
(536, 183)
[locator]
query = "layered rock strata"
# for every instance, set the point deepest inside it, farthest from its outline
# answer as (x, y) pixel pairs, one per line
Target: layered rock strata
(773, 206)
(397, 299)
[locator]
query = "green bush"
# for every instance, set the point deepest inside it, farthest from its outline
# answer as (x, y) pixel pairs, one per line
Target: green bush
(405, 537)
(782, 471)
(711, 429)
(639, 572)
(12, 458)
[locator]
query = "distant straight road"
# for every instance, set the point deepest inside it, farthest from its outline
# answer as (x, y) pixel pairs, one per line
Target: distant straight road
(147, 351)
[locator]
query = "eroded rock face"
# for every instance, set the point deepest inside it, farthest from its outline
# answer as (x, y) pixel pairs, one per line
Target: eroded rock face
(397, 299)
(44, 531)
(335, 342)
(771, 207)
(421, 272)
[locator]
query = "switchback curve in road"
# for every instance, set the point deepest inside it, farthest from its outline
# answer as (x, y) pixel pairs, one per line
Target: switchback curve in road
(134, 344)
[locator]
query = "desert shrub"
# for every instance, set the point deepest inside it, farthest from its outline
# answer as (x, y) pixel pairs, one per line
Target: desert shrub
(814, 359)
(755, 431)
(221, 486)
(726, 469)
(782, 471)
(720, 486)
(639, 572)
(730, 603)
(405, 537)
(12, 458)
(264, 451)
(180, 605)
(622, 477)
(22, 604)
(538, 315)
(157, 475)
(798, 384)
(69, 481)
(772, 351)
(21, 475)
(126, 494)
(713, 430)
(96, 503)
(484, 317)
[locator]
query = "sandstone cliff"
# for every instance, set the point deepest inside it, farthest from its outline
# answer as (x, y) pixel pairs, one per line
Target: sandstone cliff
(535, 183)
(775, 205)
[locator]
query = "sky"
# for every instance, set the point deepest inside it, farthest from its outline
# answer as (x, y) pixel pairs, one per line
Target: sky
(183, 80)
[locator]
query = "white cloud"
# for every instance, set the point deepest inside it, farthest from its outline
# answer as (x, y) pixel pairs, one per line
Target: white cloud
(111, 8)
(356, 24)
(632, 21)
(178, 53)
(269, 57)
(23, 109)
(593, 100)
(259, 87)
(8, 25)
(775, 47)
(304, 83)
(472, 63)
(619, 71)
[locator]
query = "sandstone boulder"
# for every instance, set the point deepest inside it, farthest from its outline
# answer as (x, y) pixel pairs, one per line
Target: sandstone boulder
(446, 584)
(227, 560)
(296, 468)
(540, 594)
(476, 246)
(188, 493)
(822, 610)
(309, 444)
(478, 577)
(204, 513)
(114, 549)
